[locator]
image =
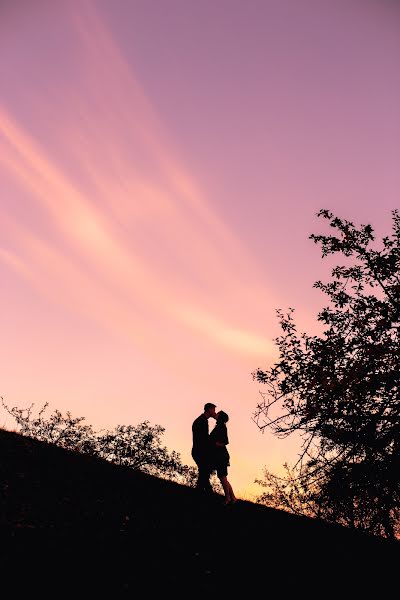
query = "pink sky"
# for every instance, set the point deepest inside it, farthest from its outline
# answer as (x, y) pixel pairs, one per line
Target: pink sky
(161, 164)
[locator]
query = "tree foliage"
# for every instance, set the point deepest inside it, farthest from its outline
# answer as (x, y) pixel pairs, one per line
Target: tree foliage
(340, 390)
(138, 447)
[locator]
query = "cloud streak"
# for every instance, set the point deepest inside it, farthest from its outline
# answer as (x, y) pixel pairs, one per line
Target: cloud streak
(130, 232)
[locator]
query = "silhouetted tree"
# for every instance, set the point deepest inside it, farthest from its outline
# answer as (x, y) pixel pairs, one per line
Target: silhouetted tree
(340, 390)
(135, 446)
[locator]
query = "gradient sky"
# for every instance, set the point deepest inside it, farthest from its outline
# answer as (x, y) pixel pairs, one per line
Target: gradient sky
(161, 165)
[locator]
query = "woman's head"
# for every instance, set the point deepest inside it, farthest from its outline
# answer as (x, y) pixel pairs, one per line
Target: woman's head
(222, 417)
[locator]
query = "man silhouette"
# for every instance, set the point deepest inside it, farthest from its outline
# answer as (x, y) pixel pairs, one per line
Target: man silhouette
(201, 449)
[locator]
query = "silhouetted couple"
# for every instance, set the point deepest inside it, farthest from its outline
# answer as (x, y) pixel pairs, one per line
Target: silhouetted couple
(210, 453)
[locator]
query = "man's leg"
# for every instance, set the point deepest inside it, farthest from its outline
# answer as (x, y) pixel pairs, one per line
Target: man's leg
(199, 482)
(203, 482)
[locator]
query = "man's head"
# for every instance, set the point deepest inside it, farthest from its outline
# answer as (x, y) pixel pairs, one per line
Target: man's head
(209, 410)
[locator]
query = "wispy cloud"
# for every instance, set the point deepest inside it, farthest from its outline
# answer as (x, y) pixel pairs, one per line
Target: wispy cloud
(129, 226)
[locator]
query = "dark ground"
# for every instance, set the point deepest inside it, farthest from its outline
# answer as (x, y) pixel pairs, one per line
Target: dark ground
(78, 526)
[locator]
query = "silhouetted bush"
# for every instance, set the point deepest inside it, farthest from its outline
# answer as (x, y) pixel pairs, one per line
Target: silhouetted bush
(135, 446)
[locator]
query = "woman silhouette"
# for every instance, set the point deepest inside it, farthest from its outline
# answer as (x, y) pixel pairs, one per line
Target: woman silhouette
(220, 456)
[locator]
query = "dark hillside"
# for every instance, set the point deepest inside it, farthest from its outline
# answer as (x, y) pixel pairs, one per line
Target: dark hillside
(78, 525)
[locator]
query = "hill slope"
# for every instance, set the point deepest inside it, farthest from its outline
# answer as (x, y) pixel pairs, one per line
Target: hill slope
(80, 525)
